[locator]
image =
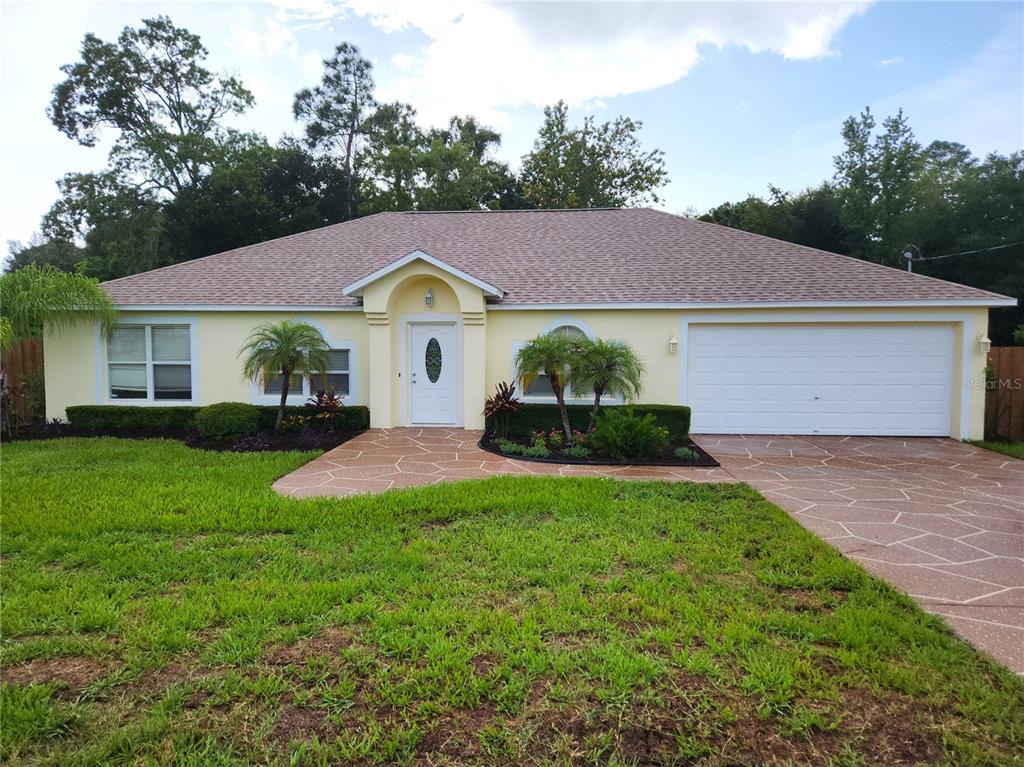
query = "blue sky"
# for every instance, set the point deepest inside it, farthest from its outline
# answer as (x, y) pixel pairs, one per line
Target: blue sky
(738, 95)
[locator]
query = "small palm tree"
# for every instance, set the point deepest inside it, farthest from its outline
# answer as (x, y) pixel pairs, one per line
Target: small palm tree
(34, 296)
(284, 348)
(551, 354)
(606, 367)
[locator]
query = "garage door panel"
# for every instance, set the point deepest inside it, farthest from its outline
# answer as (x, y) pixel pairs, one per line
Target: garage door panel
(821, 379)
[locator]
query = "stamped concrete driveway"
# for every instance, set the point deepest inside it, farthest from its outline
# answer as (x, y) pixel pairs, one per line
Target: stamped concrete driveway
(938, 519)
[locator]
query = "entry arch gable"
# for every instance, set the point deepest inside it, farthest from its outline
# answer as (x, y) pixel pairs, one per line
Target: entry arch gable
(377, 289)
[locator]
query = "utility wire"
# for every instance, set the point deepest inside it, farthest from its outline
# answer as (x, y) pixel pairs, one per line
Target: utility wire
(968, 252)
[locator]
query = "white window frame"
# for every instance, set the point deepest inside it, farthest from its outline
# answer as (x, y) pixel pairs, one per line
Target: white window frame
(570, 397)
(306, 391)
(257, 395)
(147, 322)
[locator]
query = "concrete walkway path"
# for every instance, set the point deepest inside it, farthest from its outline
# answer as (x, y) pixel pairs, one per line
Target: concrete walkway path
(939, 519)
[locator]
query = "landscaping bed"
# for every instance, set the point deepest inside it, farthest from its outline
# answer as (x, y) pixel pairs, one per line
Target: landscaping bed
(263, 440)
(640, 435)
(303, 429)
(678, 453)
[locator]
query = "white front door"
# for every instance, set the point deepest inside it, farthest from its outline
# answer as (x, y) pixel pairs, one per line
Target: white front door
(433, 374)
(807, 379)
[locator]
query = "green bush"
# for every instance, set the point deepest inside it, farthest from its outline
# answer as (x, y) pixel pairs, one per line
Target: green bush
(576, 451)
(34, 392)
(539, 450)
(543, 417)
(228, 420)
(129, 418)
(182, 418)
(687, 454)
(624, 436)
(347, 418)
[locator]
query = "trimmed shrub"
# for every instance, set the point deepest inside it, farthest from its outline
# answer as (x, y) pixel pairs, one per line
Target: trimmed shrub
(130, 418)
(624, 436)
(228, 420)
(347, 418)
(534, 417)
(182, 418)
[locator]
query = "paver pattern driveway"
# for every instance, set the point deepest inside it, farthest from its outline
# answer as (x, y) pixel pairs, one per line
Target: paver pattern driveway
(940, 520)
(382, 459)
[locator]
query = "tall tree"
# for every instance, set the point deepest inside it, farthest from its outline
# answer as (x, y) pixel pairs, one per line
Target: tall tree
(336, 111)
(390, 166)
(60, 254)
(151, 87)
(594, 166)
(458, 172)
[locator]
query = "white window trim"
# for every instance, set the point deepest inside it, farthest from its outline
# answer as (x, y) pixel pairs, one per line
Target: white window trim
(307, 391)
(257, 395)
(102, 372)
(570, 397)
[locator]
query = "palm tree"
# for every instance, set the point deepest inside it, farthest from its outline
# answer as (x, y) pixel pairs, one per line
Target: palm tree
(34, 296)
(606, 367)
(551, 354)
(284, 348)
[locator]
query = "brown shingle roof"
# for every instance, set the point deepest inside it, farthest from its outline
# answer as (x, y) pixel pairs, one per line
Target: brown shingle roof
(633, 255)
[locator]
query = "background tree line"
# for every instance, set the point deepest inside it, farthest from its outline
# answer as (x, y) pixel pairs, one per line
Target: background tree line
(180, 184)
(890, 194)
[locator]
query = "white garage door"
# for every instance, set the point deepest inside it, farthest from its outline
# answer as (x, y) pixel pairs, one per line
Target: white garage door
(771, 379)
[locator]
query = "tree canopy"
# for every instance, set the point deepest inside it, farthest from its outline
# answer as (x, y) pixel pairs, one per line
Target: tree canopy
(889, 193)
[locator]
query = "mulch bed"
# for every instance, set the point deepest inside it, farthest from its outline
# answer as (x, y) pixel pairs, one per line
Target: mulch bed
(667, 458)
(268, 440)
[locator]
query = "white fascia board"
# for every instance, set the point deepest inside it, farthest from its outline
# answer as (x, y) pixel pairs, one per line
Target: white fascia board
(356, 288)
(235, 308)
(762, 305)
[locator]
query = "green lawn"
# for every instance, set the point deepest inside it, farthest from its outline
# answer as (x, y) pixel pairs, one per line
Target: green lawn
(1015, 449)
(163, 606)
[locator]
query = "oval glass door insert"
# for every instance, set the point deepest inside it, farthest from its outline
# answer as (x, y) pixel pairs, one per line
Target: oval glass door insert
(432, 360)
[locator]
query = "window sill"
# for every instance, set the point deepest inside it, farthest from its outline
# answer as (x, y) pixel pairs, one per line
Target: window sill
(150, 402)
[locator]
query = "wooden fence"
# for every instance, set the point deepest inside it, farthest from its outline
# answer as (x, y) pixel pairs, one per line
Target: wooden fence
(24, 358)
(1004, 400)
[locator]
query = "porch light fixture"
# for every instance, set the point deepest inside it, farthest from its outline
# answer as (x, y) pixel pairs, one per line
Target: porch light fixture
(984, 343)
(673, 345)
(429, 298)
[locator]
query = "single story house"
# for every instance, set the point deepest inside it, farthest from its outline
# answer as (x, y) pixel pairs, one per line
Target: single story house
(425, 312)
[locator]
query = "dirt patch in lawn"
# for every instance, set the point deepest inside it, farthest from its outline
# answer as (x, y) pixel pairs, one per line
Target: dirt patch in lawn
(73, 673)
(299, 723)
(327, 644)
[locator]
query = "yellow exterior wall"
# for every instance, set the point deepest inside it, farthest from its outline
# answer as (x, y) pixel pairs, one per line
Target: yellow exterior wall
(69, 362)
(76, 375)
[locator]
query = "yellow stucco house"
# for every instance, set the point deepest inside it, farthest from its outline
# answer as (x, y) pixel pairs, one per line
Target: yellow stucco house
(425, 311)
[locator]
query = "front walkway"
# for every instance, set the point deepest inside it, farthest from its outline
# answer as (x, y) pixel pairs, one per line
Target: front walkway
(938, 519)
(382, 459)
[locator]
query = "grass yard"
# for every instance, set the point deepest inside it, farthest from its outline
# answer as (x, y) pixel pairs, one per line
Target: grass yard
(162, 605)
(1014, 449)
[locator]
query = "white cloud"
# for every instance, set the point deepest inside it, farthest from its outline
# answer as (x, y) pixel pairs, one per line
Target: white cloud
(404, 62)
(890, 62)
(275, 38)
(485, 59)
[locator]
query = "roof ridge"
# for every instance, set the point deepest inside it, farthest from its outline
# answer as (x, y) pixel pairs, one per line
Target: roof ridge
(511, 210)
